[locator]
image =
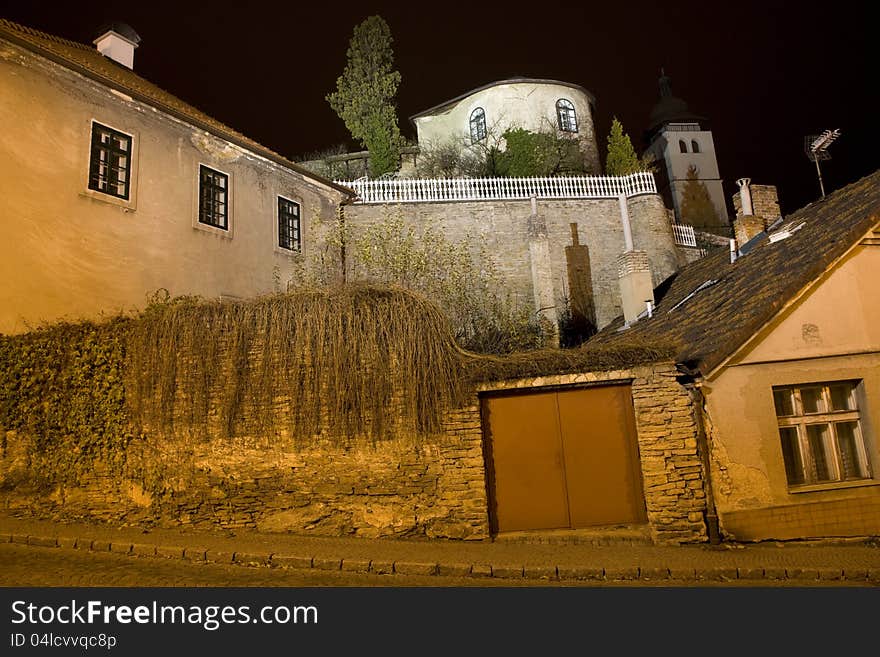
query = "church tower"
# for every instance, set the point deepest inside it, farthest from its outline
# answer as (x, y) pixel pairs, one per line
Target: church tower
(679, 139)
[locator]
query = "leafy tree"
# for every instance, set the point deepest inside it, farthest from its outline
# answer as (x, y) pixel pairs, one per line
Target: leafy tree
(461, 276)
(365, 94)
(697, 208)
(621, 159)
(542, 153)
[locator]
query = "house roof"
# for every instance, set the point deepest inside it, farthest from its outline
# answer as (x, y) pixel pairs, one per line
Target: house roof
(711, 307)
(452, 101)
(87, 61)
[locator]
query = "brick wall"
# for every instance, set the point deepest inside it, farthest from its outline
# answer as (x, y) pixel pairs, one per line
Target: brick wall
(849, 517)
(435, 488)
(504, 225)
(402, 488)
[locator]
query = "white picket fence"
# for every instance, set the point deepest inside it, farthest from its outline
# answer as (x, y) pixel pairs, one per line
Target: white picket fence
(684, 235)
(426, 190)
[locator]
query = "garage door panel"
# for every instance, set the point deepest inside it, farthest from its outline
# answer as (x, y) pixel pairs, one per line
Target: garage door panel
(600, 455)
(529, 484)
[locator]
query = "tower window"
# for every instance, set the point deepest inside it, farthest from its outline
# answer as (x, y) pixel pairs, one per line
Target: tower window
(682, 146)
(566, 115)
(695, 147)
(478, 124)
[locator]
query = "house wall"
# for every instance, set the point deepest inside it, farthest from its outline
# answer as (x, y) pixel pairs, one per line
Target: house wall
(68, 252)
(529, 105)
(830, 334)
(504, 227)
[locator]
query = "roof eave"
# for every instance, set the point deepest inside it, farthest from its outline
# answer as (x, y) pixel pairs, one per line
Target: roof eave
(141, 97)
(453, 101)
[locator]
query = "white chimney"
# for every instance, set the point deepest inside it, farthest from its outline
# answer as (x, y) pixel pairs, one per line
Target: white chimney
(745, 196)
(633, 273)
(117, 42)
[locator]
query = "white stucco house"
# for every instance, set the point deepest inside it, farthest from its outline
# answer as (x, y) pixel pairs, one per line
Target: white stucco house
(483, 114)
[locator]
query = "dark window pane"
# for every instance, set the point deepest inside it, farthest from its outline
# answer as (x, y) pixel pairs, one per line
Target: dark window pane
(782, 399)
(841, 397)
(791, 455)
(847, 435)
(818, 435)
(811, 399)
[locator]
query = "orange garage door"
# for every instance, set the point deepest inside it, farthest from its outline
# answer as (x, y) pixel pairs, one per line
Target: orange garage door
(563, 459)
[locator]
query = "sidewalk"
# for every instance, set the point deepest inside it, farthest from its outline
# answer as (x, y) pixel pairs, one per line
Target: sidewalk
(844, 561)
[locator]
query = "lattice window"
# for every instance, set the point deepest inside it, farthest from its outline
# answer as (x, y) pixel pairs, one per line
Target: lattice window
(478, 124)
(213, 198)
(289, 224)
(110, 161)
(566, 115)
(820, 429)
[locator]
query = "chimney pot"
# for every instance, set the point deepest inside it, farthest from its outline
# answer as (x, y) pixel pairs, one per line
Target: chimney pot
(117, 41)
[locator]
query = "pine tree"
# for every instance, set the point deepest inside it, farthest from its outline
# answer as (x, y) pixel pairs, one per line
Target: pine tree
(697, 208)
(365, 94)
(621, 159)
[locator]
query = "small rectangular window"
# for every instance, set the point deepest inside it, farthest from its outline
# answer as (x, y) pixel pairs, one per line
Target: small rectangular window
(288, 225)
(213, 198)
(110, 161)
(820, 430)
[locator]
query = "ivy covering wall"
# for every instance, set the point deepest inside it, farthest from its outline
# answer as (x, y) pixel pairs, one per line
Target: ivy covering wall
(133, 399)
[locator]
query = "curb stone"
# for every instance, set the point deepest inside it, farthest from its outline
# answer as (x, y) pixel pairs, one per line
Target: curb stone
(508, 572)
(476, 570)
(356, 565)
(415, 568)
(291, 561)
(580, 572)
(481, 570)
(539, 572)
(454, 569)
(382, 567)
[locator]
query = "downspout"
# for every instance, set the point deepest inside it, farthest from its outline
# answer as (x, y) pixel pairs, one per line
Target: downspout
(703, 450)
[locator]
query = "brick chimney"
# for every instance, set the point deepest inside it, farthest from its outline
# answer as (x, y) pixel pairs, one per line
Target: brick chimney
(633, 273)
(757, 207)
(117, 41)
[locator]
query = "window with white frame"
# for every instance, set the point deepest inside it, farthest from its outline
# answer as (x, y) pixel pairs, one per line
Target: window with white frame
(566, 115)
(110, 161)
(213, 198)
(288, 225)
(478, 124)
(821, 434)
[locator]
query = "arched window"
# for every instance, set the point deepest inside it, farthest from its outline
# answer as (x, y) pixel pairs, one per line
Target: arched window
(682, 146)
(695, 147)
(567, 118)
(478, 124)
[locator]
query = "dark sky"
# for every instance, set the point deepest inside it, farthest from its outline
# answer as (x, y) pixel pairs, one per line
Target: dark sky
(765, 73)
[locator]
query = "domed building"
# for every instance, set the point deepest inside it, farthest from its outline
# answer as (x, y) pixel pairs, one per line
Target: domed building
(485, 113)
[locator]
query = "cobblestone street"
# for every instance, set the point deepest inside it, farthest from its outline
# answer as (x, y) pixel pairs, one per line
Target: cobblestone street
(33, 566)
(22, 565)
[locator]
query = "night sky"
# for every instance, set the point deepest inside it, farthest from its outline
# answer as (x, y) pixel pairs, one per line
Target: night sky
(765, 73)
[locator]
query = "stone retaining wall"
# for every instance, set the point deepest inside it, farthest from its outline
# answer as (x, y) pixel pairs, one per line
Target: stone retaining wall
(504, 227)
